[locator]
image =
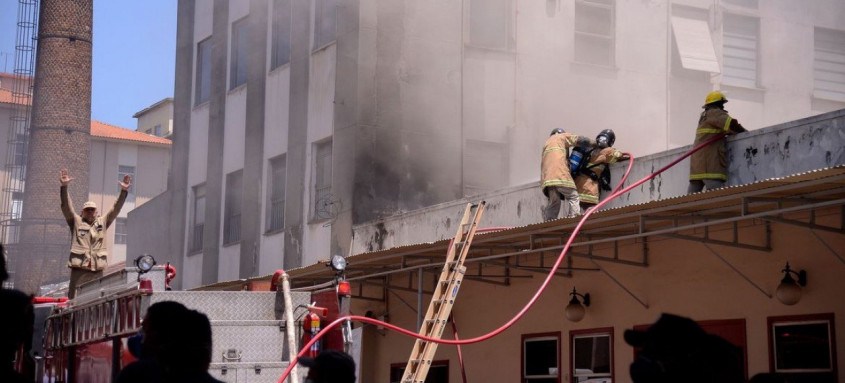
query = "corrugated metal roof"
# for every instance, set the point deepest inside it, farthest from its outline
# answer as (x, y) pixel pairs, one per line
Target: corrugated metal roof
(821, 184)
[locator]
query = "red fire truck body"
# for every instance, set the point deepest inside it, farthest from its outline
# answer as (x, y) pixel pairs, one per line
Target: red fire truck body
(84, 340)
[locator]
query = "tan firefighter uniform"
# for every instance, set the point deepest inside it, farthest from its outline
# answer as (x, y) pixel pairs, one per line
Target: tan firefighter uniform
(588, 188)
(554, 169)
(555, 178)
(88, 255)
(710, 163)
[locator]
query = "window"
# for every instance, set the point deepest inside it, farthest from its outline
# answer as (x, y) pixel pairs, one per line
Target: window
(120, 231)
(595, 32)
(592, 354)
(829, 64)
(276, 195)
(237, 63)
(325, 22)
(490, 24)
(281, 34)
(323, 180)
(203, 82)
(232, 219)
(157, 130)
(20, 150)
(739, 53)
(541, 358)
(693, 54)
(123, 170)
(198, 224)
(803, 347)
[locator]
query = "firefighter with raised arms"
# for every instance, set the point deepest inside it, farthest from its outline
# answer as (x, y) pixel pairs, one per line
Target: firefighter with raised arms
(88, 257)
(708, 166)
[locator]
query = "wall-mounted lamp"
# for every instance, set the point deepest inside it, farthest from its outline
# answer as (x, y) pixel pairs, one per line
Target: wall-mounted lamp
(789, 290)
(575, 310)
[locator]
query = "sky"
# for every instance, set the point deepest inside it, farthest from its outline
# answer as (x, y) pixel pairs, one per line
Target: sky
(134, 55)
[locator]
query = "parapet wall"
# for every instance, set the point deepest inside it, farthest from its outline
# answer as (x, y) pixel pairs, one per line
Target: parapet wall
(776, 151)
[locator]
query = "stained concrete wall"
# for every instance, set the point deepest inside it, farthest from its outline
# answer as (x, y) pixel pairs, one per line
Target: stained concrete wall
(777, 151)
(693, 283)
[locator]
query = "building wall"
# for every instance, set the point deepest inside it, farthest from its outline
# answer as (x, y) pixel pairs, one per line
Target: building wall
(794, 147)
(420, 114)
(160, 115)
(151, 164)
(694, 283)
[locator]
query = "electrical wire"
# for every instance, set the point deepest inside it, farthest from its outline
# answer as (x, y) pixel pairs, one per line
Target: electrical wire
(540, 290)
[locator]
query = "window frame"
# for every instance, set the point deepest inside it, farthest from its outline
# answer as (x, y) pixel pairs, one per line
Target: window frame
(509, 44)
(120, 237)
(271, 226)
(592, 332)
(233, 208)
(556, 336)
(320, 41)
(196, 239)
(202, 79)
(238, 52)
(743, 19)
(826, 94)
(122, 170)
(279, 38)
(321, 192)
(773, 321)
(611, 37)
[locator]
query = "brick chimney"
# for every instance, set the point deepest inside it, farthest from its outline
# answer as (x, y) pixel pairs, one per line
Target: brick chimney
(59, 138)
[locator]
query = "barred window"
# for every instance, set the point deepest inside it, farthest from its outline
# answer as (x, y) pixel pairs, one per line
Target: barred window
(595, 32)
(276, 195)
(120, 231)
(198, 224)
(281, 34)
(203, 72)
(232, 219)
(322, 180)
(240, 42)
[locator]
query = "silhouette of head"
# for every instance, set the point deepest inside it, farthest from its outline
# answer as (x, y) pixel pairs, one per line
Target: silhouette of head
(676, 349)
(330, 366)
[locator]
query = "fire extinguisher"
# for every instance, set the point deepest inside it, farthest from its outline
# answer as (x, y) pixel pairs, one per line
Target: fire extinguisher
(311, 326)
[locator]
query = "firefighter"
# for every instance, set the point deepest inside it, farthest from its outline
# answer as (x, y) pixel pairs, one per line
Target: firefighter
(88, 257)
(708, 166)
(589, 180)
(330, 366)
(555, 176)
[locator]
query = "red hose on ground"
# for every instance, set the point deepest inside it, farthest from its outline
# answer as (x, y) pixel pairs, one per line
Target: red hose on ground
(533, 299)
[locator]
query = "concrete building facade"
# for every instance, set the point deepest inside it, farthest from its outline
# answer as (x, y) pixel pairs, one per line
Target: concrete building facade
(301, 119)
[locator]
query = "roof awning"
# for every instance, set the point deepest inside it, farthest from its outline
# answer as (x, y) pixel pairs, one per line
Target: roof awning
(695, 44)
(673, 217)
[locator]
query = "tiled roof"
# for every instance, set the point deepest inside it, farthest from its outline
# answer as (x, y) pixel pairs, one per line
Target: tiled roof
(6, 97)
(101, 129)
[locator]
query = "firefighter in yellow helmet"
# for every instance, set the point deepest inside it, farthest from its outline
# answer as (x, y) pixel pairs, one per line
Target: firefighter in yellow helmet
(708, 166)
(555, 176)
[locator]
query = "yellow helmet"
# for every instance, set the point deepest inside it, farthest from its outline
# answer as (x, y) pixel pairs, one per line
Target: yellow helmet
(715, 96)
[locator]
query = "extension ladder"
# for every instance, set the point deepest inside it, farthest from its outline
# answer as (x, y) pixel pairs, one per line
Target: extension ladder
(444, 296)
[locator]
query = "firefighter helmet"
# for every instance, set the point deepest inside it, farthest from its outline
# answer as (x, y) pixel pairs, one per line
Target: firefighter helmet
(606, 138)
(714, 97)
(557, 131)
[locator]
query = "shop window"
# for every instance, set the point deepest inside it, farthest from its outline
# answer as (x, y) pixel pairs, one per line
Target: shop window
(541, 358)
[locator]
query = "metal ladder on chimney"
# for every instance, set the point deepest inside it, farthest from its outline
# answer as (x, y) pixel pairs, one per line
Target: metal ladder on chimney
(444, 296)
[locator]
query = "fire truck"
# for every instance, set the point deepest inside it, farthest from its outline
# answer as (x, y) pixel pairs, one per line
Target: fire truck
(86, 339)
